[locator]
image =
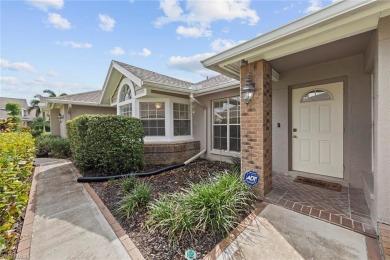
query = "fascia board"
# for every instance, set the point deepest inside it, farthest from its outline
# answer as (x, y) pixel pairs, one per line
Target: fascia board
(331, 12)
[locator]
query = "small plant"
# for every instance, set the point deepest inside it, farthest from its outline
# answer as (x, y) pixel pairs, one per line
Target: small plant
(236, 164)
(138, 197)
(212, 206)
(127, 184)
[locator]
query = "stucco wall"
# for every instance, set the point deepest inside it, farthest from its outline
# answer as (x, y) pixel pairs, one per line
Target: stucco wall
(199, 124)
(77, 110)
(357, 152)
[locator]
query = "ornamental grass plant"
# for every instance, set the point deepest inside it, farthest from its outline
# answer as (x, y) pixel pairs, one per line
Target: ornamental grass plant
(212, 206)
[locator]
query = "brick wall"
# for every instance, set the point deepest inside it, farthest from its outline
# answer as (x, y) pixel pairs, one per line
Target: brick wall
(170, 153)
(256, 126)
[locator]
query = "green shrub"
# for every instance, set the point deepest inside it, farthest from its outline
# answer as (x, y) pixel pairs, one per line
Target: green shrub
(57, 146)
(211, 206)
(139, 196)
(107, 144)
(16, 165)
(127, 184)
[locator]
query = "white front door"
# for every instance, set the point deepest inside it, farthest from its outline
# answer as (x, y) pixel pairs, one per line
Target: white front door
(317, 129)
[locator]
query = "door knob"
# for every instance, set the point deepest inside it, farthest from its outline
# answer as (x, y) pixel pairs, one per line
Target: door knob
(294, 136)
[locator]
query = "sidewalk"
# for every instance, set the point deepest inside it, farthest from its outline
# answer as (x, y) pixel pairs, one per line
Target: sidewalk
(67, 222)
(279, 233)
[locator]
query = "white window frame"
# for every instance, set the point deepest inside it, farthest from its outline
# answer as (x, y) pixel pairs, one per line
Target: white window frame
(126, 102)
(218, 151)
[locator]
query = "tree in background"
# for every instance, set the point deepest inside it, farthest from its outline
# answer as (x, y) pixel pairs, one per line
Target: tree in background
(13, 109)
(12, 123)
(34, 105)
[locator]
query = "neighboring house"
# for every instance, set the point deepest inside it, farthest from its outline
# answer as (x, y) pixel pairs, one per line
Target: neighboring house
(26, 118)
(328, 113)
(63, 108)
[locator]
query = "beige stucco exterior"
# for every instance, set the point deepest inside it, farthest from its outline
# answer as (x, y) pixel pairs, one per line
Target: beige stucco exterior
(70, 111)
(357, 113)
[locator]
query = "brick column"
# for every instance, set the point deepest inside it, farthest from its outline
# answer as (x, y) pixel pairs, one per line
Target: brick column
(256, 126)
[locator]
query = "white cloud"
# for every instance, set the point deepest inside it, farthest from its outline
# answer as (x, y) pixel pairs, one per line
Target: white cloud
(75, 45)
(52, 73)
(58, 22)
(145, 52)
(192, 63)
(40, 79)
(219, 45)
(106, 23)
(314, 6)
(193, 32)
(200, 15)
(19, 66)
(44, 5)
(9, 80)
(117, 51)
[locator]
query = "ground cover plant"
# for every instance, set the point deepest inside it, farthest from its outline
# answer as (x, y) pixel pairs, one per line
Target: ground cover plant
(152, 227)
(16, 166)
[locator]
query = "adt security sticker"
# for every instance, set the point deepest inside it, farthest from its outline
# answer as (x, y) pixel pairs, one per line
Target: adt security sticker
(251, 178)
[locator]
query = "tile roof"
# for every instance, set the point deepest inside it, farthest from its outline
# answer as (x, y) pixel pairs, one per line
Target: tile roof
(91, 96)
(158, 78)
(214, 81)
(155, 77)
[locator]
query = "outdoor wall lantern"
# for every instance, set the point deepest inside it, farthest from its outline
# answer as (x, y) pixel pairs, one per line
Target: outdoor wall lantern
(60, 117)
(249, 89)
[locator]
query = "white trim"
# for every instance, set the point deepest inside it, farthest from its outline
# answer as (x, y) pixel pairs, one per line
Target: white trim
(160, 86)
(226, 153)
(81, 103)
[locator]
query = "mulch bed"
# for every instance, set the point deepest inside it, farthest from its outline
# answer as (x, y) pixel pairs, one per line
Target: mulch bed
(156, 246)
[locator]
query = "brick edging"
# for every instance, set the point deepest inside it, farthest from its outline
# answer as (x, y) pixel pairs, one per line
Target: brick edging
(130, 247)
(223, 245)
(24, 246)
(356, 226)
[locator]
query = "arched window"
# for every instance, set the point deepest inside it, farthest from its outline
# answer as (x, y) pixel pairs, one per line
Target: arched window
(125, 93)
(316, 95)
(125, 104)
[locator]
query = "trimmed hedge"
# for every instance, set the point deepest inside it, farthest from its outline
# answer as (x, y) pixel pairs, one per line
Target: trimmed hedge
(108, 144)
(57, 146)
(16, 166)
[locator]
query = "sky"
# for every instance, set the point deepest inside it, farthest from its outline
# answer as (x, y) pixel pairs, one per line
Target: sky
(67, 45)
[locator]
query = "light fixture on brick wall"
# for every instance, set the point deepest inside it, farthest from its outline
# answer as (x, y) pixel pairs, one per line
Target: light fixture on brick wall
(249, 89)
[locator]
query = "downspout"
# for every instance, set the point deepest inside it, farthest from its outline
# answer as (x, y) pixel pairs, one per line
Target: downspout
(205, 127)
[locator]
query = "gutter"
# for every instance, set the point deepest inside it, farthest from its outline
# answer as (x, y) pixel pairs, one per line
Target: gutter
(205, 122)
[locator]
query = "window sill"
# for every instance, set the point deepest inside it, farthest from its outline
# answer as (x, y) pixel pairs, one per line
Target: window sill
(226, 153)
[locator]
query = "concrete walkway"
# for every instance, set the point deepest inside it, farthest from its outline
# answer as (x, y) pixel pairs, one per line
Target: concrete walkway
(67, 222)
(279, 233)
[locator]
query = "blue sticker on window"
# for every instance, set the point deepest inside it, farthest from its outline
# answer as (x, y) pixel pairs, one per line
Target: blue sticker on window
(251, 178)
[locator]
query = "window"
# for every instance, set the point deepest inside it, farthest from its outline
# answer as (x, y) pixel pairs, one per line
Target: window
(152, 115)
(181, 119)
(126, 110)
(125, 105)
(226, 124)
(125, 93)
(316, 95)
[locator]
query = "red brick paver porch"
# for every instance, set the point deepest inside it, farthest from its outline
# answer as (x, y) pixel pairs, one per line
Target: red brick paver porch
(347, 208)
